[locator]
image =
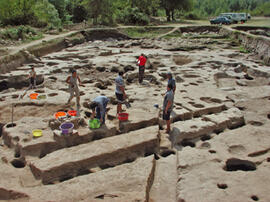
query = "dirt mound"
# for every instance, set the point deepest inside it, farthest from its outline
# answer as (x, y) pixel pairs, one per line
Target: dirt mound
(104, 34)
(181, 60)
(18, 82)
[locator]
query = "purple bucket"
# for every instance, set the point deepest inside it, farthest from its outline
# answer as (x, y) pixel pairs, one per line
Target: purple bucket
(67, 128)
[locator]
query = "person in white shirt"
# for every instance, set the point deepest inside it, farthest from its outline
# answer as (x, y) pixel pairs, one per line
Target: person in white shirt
(73, 86)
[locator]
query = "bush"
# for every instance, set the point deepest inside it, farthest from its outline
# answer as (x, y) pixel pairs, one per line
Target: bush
(263, 10)
(191, 16)
(21, 32)
(133, 16)
(17, 12)
(47, 14)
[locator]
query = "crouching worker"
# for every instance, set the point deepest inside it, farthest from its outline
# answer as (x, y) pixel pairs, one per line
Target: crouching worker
(73, 87)
(98, 106)
(168, 106)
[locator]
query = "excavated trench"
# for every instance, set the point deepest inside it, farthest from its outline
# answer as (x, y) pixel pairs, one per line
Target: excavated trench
(198, 116)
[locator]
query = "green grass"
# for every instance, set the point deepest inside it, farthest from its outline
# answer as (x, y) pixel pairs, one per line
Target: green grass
(242, 49)
(205, 36)
(20, 33)
(145, 32)
(256, 21)
(175, 34)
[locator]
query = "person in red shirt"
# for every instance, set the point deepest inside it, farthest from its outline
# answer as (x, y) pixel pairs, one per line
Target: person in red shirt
(141, 62)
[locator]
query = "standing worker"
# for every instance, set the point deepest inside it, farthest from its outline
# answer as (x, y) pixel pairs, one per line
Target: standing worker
(73, 87)
(141, 62)
(171, 81)
(120, 91)
(168, 106)
(98, 106)
(32, 80)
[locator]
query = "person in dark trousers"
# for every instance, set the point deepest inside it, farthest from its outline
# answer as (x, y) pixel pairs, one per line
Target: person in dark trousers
(32, 81)
(73, 86)
(171, 81)
(120, 91)
(141, 62)
(98, 106)
(168, 106)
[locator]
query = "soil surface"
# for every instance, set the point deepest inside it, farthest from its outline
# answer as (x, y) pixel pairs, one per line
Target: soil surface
(218, 149)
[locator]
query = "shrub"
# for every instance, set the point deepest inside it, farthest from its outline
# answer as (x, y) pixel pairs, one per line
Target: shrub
(47, 14)
(17, 12)
(133, 16)
(191, 16)
(21, 32)
(263, 10)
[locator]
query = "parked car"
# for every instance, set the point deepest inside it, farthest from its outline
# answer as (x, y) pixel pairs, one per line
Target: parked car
(234, 17)
(221, 20)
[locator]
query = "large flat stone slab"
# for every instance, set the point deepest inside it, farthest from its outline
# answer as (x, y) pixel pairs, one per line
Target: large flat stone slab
(202, 176)
(164, 185)
(20, 137)
(191, 129)
(139, 119)
(127, 182)
(231, 118)
(68, 162)
(208, 124)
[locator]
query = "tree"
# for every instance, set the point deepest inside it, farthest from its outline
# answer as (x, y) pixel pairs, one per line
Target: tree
(47, 14)
(102, 10)
(16, 12)
(79, 14)
(171, 5)
(60, 6)
(145, 6)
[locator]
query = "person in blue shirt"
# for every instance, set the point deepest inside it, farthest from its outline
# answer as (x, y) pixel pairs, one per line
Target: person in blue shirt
(171, 81)
(168, 106)
(98, 106)
(120, 91)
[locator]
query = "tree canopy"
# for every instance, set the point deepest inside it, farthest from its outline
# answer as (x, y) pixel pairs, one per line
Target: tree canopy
(58, 12)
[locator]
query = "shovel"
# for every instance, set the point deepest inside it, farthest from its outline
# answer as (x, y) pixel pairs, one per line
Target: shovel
(125, 102)
(128, 105)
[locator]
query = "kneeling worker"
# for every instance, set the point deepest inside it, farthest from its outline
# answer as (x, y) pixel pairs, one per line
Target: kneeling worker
(168, 106)
(98, 106)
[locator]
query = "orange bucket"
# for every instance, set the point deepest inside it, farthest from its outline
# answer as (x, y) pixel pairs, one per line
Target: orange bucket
(72, 113)
(58, 115)
(33, 96)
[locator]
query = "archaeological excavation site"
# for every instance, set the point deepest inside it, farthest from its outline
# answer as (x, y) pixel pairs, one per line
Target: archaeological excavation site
(219, 145)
